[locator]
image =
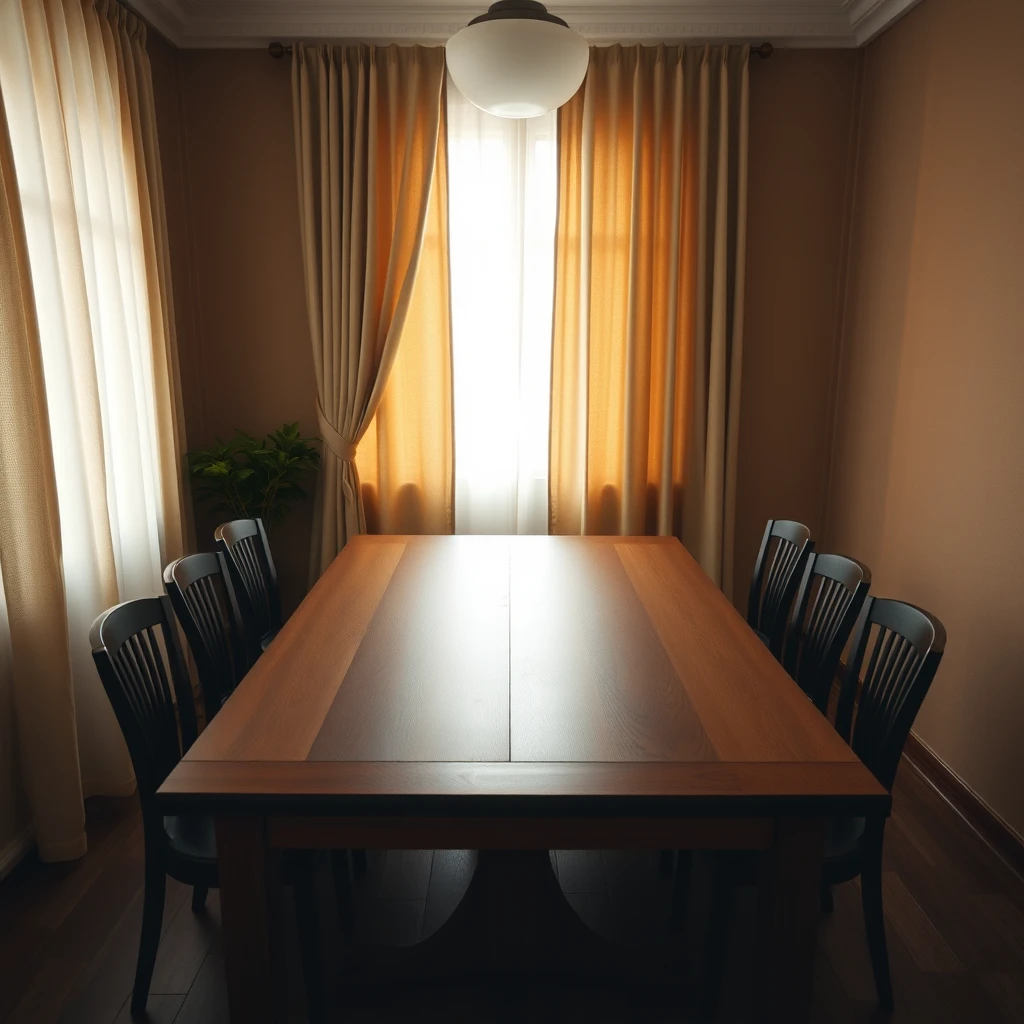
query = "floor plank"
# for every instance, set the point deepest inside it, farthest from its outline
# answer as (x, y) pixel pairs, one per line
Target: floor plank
(161, 1009)
(579, 871)
(76, 941)
(185, 944)
(450, 876)
(108, 980)
(207, 1000)
(406, 875)
(926, 945)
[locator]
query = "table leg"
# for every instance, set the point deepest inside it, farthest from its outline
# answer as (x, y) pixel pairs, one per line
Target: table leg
(789, 882)
(250, 900)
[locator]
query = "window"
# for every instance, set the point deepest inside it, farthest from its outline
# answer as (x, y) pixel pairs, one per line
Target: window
(502, 181)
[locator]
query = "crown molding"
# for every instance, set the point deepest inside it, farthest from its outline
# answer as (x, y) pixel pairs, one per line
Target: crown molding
(868, 18)
(166, 16)
(198, 24)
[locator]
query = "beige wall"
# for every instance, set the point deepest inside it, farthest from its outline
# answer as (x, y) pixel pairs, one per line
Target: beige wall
(928, 464)
(229, 164)
(801, 113)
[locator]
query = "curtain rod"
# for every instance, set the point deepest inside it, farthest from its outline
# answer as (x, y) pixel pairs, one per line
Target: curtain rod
(278, 50)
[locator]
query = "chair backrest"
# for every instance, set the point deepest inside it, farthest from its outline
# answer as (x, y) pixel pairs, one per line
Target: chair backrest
(785, 548)
(204, 600)
(832, 592)
(244, 543)
(135, 647)
(906, 650)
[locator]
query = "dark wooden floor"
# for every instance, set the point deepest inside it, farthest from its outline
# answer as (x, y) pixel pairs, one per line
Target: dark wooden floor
(68, 933)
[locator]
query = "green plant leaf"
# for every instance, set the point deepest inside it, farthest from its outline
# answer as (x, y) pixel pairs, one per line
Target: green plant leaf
(248, 476)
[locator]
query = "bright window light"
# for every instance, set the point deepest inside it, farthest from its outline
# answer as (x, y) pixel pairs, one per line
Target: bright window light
(502, 182)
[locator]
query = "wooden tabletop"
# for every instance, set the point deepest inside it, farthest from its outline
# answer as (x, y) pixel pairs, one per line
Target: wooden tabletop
(483, 668)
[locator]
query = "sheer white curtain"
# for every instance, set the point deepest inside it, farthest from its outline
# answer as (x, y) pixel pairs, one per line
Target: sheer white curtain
(74, 77)
(502, 187)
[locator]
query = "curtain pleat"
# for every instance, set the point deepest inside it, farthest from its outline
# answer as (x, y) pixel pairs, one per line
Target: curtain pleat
(127, 46)
(78, 100)
(648, 297)
(30, 552)
(368, 131)
(406, 457)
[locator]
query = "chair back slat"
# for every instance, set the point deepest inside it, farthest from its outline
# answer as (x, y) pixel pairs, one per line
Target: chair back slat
(831, 594)
(878, 705)
(135, 648)
(785, 548)
(204, 600)
(251, 565)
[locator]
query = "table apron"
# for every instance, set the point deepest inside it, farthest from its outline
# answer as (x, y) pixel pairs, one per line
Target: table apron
(517, 833)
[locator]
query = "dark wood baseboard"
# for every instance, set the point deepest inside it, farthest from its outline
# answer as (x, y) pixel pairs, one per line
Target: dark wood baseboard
(975, 812)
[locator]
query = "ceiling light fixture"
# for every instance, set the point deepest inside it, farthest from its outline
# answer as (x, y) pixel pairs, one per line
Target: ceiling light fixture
(517, 60)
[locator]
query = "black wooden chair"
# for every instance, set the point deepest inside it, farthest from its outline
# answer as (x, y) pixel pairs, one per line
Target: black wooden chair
(251, 565)
(876, 710)
(831, 595)
(785, 548)
(135, 647)
(204, 600)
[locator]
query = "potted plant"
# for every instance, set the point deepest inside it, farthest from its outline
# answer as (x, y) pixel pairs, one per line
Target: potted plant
(250, 478)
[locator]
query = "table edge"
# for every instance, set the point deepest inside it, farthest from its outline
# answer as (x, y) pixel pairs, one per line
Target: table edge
(547, 788)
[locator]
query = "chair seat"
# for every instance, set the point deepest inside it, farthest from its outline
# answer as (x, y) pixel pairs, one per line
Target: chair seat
(763, 638)
(191, 836)
(266, 639)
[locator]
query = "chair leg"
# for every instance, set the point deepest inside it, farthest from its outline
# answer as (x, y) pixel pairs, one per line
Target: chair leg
(722, 893)
(827, 903)
(342, 889)
(874, 923)
(309, 942)
(149, 941)
(199, 893)
(681, 888)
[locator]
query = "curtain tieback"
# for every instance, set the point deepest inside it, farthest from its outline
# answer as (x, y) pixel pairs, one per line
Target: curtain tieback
(341, 446)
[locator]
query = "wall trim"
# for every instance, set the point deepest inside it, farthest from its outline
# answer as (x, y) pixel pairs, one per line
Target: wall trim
(975, 812)
(869, 18)
(13, 853)
(252, 23)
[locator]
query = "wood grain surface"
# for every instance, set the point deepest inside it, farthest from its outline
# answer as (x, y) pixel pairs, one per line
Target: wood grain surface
(590, 680)
(430, 679)
(278, 709)
(476, 667)
(749, 706)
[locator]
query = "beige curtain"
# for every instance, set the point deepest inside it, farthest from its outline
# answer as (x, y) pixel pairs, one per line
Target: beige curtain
(367, 135)
(33, 585)
(406, 457)
(124, 38)
(649, 297)
(78, 102)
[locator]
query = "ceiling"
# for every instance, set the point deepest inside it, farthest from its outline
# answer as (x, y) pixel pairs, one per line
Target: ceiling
(240, 23)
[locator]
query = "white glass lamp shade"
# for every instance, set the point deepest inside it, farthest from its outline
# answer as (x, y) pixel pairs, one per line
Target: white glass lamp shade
(517, 67)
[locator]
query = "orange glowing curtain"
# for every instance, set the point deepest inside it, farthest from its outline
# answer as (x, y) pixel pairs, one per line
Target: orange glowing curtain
(648, 322)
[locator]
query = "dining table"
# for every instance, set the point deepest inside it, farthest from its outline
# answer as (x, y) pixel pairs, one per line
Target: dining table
(514, 695)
